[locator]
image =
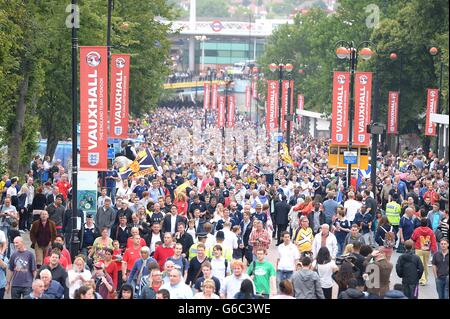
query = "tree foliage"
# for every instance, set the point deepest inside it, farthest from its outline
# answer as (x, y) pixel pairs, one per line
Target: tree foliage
(409, 28)
(35, 64)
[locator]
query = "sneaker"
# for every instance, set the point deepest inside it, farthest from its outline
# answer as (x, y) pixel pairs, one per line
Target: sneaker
(22, 231)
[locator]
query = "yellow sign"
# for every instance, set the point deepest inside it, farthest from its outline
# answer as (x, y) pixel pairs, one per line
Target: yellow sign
(336, 157)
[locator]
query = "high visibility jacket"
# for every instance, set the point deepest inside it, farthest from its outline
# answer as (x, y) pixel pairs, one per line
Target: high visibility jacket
(304, 239)
(393, 210)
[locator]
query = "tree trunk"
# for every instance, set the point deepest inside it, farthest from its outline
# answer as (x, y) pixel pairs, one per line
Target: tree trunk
(52, 143)
(17, 130)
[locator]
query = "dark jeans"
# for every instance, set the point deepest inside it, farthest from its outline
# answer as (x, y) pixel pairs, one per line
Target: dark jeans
(283, 275)
(280, 229)
(327, 292)
(247, 252)
(20, 292)
(111, 192)
(24, 221)
(411, 291)
(442, 287)
(2, 293)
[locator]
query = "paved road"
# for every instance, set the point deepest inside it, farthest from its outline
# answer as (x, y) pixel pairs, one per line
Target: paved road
(425, 292)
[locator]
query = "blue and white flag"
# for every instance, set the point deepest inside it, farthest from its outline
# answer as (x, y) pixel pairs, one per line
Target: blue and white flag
(363, 174)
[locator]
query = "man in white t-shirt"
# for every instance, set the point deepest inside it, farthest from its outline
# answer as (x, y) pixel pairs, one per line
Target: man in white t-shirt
(351, 207)
(220, 267)
(232, 283)
(177, 287)
(288, 258)
(231, 240)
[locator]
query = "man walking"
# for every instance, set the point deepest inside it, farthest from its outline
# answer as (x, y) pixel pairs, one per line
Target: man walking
(440, 269)
(21, 271)
(42, 235)
(282, 210)
(409, 267)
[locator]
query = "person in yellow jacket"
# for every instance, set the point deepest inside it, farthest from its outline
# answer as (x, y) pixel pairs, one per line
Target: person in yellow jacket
(304, 237)
(227, 252)
(393, 211)
(193, 249)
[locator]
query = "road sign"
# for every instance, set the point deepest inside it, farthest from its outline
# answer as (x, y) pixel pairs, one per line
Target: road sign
(350, 157)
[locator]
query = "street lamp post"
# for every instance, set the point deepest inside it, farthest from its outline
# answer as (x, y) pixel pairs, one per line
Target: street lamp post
(202, 39)
(348, 50)
(434, 51)
(394, 56)
(75, 241)
(279, 67)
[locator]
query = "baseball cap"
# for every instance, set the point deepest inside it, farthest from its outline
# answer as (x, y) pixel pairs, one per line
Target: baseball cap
(89, 215)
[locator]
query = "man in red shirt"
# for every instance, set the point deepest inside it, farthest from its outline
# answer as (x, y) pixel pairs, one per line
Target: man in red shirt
(130, 256)
(64, 185)
(425, 242)
(165, 251)
(432, 194)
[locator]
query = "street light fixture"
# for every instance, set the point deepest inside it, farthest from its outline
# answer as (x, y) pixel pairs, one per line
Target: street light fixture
(202, 39)
(348, 50)
(288, 68)
(434, 52)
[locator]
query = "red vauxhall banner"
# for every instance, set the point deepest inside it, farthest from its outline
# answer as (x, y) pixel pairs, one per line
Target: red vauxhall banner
(248, 97)
(300, 105)
(272, 106)
(254, 90)
(363, 99)
(93, 108)
(221, 112)
(118, 113)
(215, 91)
(231, 110)
(284, 102)
(339, 116)
(432, 101)
(392, 112)
(206, 96)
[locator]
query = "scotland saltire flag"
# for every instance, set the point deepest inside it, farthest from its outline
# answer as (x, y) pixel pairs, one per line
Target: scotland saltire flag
(362, 174)
(144, 164)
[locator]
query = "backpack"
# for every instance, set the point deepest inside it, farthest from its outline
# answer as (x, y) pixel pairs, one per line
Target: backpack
(389, 238)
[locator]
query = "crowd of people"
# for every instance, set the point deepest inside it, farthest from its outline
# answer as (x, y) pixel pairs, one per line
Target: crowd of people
(219, 231)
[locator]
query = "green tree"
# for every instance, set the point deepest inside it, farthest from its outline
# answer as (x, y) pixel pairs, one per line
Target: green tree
(212, 9)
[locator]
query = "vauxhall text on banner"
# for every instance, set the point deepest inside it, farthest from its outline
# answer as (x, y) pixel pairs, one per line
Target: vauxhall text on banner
(93, 108)
(392, 112)
(363, 98)
(339, 116)
(248, 97)
(118, 114)
(432, 102)
(231, 111)
(221, 112)
(215, 92)
(272, 106)
(206, 96)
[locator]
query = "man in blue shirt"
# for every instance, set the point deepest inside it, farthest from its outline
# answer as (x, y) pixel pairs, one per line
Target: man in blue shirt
(364, 221)
(140, 188)
(408, 223)
(330, 208)
(434, 217)
(111, 178)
